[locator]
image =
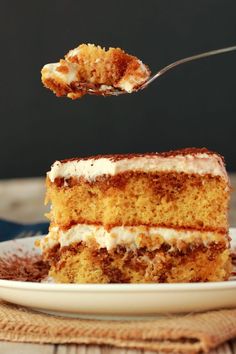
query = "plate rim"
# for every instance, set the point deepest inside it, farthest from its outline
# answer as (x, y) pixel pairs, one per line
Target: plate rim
(110, 288)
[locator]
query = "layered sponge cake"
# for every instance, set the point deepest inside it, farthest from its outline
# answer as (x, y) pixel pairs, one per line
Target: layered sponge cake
(139, 218)
(90, 69)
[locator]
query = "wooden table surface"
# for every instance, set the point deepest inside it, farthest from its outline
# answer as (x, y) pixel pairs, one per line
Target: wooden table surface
(22, 200)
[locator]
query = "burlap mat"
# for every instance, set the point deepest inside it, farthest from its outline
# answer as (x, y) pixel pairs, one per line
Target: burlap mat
(176, 334)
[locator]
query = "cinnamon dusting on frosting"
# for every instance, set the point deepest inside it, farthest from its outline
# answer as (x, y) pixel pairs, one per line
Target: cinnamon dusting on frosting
(117, 157)
(189, 161)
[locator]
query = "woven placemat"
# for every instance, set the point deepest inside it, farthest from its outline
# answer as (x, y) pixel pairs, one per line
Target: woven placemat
(176, 334)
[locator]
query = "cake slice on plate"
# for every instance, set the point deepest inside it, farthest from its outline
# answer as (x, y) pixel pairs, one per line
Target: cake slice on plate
(139, 218)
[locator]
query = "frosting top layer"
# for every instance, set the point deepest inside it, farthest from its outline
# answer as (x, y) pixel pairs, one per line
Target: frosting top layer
(200, 161)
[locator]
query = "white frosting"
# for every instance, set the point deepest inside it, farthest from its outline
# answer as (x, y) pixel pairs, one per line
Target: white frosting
(50, 71)
(90, 169)
(72, 53)
(106, 88)
(131, 237)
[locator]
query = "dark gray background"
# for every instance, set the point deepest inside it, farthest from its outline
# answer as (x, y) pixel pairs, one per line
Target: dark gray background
(192, 106)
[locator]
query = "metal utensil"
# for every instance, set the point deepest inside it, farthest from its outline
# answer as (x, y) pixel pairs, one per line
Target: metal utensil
(116, 92)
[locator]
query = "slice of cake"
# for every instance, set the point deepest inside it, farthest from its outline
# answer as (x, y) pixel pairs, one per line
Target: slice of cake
(90, 69)
(140, 218)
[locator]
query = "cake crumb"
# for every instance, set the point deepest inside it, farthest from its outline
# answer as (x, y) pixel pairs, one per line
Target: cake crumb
(90, 69)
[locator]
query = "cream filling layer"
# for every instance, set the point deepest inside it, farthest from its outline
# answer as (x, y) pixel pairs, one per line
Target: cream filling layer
(52, 71)
(90, 169)
(131, 237)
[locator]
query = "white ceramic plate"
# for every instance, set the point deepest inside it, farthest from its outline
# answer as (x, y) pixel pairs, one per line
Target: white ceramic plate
(116, 300)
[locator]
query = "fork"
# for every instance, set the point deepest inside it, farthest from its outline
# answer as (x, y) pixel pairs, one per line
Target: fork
(116, 92)
(186, 60)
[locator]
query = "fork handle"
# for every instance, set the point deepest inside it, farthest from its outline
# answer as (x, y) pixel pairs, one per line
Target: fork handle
(193, 57)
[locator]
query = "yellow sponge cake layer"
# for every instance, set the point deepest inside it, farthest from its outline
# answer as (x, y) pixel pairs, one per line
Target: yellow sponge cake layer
(135, 198)
(85, 263)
